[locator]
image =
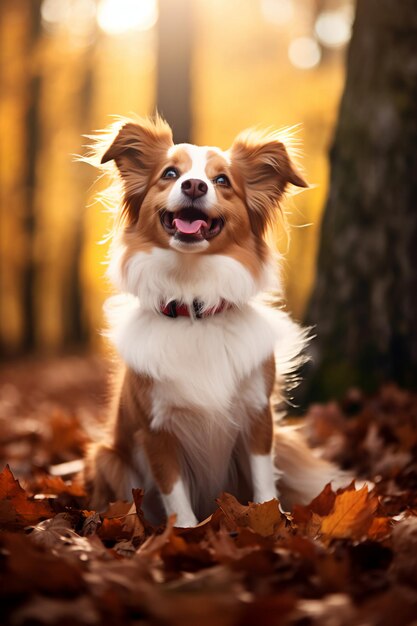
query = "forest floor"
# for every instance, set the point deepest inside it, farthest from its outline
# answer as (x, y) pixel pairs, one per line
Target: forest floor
(348, 558)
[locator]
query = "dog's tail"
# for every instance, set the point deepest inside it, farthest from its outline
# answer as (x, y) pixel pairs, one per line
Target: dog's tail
(302, 475)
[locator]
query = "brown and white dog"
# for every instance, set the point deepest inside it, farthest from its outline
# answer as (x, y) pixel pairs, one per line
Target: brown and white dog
(192, 415)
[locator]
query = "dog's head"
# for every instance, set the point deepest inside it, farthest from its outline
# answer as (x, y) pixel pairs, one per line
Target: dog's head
(199, 199)
(183, 199)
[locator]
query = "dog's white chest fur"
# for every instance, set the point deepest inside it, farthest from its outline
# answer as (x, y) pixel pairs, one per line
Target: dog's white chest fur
(198, 363)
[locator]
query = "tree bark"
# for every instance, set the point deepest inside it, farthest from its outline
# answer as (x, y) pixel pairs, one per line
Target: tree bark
(29, 212)
(175, 54)
(76, 331)
(364, 306)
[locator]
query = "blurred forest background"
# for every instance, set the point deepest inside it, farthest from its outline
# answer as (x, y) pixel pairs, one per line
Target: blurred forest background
(211, 67)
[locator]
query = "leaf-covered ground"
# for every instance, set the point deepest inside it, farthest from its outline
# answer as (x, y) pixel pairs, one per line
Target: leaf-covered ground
(348, 558)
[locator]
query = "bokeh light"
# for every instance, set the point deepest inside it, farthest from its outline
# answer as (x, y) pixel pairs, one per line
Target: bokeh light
(304, 53)
(333, 28)
(116, 17)
(77, 17)
(249, 63)
(277, 11)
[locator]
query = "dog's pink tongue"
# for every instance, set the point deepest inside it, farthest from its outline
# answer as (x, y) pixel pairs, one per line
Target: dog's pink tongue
(189, 228)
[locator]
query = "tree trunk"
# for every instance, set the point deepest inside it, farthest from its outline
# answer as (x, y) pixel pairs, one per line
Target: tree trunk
(75, 329)
(29, 210)
(364, 305)
(175, 47)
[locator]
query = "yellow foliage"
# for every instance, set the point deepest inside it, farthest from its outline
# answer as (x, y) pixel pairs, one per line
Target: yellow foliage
(241, 76)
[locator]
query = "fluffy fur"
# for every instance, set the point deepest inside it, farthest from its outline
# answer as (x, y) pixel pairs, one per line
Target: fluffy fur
(192, 414)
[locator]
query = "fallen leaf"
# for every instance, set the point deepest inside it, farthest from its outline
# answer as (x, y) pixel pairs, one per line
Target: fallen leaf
(28, 567)
(265, 519)
(324, 502)
(56, 485)
(57, 611)
(333, 609)
(268, 610)
(115, 526)
(351, 516)
(57, 535)
(120, 508)
(155, 543)
(380, 528)
(180, 556)
(113, 529)
(308, 518)
(244, 565)
(404, 539)
(91, 524)
(17, 509)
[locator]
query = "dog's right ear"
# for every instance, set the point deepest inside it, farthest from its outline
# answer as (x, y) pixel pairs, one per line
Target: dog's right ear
(137, 150)
(138, 141)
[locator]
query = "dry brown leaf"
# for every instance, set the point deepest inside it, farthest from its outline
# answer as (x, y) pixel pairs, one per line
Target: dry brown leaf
(141, 528)
(58, 535)
(178, 555)
(30, 568)
(118, 522)
(270, 571)
(56, 485)
(265, 519)
(380, 528)
(113, 529)
(308, 518)
(17, 510)
(42, 610)
(134, 526)
(313, 526)
(92, 521)
(269, 610)
(352, 514)
(155, 543)
(51, 532)
(120, 508)
(324, 502)
(404, 565)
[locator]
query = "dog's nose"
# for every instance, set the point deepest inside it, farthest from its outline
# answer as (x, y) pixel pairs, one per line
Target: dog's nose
(194, 188)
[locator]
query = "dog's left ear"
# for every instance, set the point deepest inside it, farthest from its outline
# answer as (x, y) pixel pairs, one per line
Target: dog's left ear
(261, 163)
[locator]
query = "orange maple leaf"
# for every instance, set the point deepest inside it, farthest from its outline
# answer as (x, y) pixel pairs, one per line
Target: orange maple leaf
(352, 514)
(16, 508)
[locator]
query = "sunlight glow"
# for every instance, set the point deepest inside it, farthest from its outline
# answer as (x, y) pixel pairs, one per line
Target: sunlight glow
(76, 16)
(277, 11)
(116, 17)
(333, 28)
(304, 53)
(54, 12)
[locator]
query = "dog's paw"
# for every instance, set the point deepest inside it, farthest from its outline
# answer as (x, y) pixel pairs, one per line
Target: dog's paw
(264, 495)
(186, 521)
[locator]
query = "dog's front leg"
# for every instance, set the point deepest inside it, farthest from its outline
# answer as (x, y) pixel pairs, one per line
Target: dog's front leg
(161, 448)
(260, 456)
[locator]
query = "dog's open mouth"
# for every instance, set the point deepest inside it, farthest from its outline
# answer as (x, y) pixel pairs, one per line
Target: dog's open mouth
(191, 225)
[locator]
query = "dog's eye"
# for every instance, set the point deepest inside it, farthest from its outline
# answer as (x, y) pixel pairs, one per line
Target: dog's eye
(222, 180)
(170, 172)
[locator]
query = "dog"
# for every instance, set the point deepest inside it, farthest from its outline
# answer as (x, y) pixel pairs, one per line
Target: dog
(202, 352)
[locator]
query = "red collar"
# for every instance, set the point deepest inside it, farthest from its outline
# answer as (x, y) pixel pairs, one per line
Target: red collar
(173, 309)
